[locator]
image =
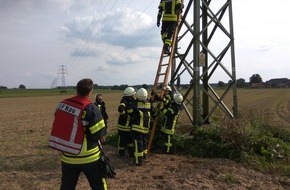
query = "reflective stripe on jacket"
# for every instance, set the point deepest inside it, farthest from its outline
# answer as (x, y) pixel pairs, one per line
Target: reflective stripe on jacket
(141, 117)
(125, 109)
(67, 132)
(170, 119)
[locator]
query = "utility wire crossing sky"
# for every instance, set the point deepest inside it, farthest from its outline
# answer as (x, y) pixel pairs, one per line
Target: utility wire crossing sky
(117, 42)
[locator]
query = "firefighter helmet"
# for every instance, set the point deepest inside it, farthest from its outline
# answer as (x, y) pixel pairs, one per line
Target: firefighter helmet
(142, 94)
(168, 88)
(129, 91)
(178, 98)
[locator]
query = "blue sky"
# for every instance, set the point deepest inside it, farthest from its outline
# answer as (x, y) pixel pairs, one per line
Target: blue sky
(117, 42)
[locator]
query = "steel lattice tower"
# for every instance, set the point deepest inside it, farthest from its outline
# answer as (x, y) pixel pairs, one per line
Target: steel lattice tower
(62, 71)
(205, 48)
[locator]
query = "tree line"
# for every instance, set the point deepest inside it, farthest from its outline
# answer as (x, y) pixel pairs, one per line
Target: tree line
(241, 83)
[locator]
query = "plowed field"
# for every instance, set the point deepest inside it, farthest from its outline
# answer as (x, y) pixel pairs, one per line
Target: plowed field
(27, 163)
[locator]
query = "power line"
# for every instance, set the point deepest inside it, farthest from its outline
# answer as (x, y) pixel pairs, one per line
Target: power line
(86, 46)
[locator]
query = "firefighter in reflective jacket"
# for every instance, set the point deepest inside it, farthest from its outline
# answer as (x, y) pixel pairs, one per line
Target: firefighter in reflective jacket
(140, 125)
(170, 119)
(168, 10)
(168, 97)
(124, 122)
(88, 124)
(165, 100)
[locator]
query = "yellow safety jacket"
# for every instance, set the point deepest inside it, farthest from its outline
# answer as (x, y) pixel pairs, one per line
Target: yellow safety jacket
(168, 10)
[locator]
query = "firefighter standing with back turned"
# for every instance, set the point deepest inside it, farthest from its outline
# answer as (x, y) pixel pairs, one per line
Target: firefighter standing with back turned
(124, 122)
(77, 128)
(169, 11)
(140, 125)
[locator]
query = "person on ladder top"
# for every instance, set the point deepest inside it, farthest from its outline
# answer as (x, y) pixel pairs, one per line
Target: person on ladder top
(169, 11)
(124, 122)
(169, 123)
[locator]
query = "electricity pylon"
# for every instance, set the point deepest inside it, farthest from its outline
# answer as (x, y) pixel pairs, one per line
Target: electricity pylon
(209, 51)
(62, 71)
(204, 48)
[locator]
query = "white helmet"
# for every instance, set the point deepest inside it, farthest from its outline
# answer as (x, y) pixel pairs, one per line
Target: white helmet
(168, 88)
(142, 94)
(178, 98)
(129, 91)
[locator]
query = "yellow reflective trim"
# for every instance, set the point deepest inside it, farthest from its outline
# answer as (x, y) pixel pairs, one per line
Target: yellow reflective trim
(83, 158)
(167, 131)
(140, 129)
(142, 105)
(123, 128)
(84, 114)
(105, 184)
(98, 126)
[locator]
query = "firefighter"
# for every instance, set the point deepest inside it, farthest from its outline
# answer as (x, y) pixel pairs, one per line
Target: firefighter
(170, 119)
(99, 102)
(124, 122)
(169, 11)
(140, 125)
(168, 97)
(78, 126)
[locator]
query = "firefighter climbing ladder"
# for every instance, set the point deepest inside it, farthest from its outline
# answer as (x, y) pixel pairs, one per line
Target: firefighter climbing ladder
(162, 76)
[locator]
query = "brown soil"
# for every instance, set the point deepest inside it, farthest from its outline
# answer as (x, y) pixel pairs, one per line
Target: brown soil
(27, 163)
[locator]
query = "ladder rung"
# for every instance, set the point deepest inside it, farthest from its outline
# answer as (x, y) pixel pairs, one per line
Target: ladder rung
(165, 55)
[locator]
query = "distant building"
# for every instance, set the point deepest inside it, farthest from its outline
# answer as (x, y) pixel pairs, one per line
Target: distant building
(278, 83)
(258, 85)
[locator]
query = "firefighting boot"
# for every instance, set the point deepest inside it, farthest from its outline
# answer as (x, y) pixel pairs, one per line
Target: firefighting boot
(166, 49)
(121, 153)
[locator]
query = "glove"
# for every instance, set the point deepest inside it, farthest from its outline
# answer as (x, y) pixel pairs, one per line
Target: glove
(158, 23)
(107, 170)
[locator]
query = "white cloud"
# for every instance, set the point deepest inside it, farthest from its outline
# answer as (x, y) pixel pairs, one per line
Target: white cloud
(117, 42)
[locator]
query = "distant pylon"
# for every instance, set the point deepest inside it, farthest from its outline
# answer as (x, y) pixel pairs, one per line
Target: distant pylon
(54, 83)
(62, 71)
